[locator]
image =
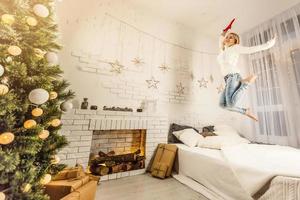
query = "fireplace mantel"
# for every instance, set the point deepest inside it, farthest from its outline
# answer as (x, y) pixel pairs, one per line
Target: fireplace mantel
(78, 127)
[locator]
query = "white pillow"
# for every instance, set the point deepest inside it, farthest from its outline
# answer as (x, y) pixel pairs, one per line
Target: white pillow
(225, 130)
(217, 142)
(188, 137)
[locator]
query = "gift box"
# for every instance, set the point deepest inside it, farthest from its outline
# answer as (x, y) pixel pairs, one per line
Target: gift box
(86, 192)
(159, 170)
(165, 156)
(71, 184)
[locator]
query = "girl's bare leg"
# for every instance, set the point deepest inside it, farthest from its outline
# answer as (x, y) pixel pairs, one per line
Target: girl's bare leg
(249, 79)
(250, 115)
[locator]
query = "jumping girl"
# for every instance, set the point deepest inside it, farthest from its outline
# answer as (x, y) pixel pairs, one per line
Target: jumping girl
(228, 58)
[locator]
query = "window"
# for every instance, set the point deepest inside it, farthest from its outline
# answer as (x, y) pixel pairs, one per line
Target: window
(295, 55)
(288, 29)
(268, 96)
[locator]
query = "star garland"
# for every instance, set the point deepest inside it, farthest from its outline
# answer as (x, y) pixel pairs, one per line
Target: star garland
(203, 83)
(180, 89)
(164, 67)
(137, 61)
(152, 83)
(116, 67)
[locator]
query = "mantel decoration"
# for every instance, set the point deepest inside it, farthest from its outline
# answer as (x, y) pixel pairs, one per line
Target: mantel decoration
(118, 109)
(84, 104)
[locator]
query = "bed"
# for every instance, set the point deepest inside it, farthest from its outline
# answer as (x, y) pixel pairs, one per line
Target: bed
(206, 171)
(241, 172)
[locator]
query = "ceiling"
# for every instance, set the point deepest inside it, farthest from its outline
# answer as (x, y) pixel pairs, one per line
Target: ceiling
(210, 16)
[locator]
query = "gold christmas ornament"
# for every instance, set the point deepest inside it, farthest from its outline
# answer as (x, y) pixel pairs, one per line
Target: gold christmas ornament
(37, 112)
(40, 10)
(31, 21)
(26, 188)
(55, 122)
(29, 124)
(8, 19)
(6, 138)
(38, 96)
(3, 89)
(44, 134)
(46, 179)
(53, 95)
(55, 160)
(2, 196)
(14, 50)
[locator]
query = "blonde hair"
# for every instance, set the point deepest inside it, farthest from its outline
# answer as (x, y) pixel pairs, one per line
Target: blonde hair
(236, 38)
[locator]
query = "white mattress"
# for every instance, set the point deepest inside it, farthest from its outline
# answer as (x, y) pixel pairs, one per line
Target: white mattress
(209, 168)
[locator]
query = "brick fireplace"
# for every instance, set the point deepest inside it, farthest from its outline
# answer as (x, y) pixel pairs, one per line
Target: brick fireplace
(119, 141)
(81, 127)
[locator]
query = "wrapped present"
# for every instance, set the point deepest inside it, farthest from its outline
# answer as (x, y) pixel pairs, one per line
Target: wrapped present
(94, 177)
(71, 182)
(160, 170)
(86, 192)
(165, 154)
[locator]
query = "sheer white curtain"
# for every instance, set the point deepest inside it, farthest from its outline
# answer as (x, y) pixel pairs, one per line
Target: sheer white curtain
(276, 94)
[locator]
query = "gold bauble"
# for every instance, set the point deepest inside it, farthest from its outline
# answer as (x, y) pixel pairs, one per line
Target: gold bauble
(8, 19)
(37, 112)
(55, 160)
(53, 95)
(29, 124)
(6, 138)
(3, 89)
(31, 21)
(44, 134)
(46, 179)
(14, 50)
(2, 196)
(26, 188)
(55, 122)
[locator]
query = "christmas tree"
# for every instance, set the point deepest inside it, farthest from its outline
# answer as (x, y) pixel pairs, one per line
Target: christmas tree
(33, 96)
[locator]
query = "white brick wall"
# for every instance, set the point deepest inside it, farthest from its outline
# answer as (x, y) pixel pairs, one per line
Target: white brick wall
(78, 127)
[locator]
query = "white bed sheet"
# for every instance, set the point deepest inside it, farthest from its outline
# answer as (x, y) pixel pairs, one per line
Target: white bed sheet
(209, 168)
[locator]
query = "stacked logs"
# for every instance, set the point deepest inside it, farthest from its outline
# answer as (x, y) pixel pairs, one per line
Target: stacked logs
(109, 163)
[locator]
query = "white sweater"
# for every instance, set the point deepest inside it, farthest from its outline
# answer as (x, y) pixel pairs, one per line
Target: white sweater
(228, 58)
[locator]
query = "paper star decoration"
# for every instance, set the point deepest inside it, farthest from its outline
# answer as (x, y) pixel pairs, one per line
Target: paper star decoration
(220, 88)
(152, 83)
(203, 83)
(164, 67)
(116, 67)
(137, 61)
(180, 88)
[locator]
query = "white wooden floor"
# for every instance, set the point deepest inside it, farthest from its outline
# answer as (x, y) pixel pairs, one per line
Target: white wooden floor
(145, 187)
